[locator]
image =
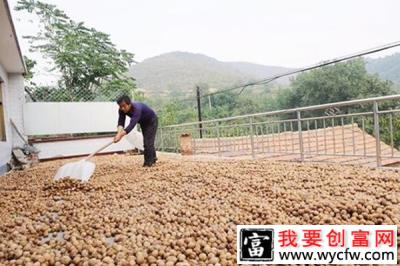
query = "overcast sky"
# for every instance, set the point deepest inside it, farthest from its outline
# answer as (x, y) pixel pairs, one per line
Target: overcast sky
(288, 33)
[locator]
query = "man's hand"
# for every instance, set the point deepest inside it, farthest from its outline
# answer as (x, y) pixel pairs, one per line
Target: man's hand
(120, 134)
(120, 128)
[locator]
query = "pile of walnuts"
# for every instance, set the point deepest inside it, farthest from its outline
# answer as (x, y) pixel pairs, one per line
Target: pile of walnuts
(180, 212)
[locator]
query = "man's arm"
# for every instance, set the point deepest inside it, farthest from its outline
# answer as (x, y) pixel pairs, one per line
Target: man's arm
(137, 112)
(121, 119)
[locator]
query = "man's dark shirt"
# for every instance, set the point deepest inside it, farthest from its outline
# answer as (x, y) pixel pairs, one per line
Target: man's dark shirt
(139, 113)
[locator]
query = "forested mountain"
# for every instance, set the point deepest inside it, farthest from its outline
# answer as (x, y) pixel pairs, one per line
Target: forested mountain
(386, 67)
(179, 72)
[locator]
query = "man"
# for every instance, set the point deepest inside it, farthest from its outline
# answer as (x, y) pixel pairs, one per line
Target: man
(148, 121)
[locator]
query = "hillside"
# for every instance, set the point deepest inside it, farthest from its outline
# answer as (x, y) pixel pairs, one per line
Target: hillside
(181, 71)
(386, 67)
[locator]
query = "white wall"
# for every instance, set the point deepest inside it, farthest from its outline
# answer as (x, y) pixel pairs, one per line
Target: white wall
(16, 105)
(5, 146)
(87, 146)
(50, 118)
(56, 118)
(13, 99)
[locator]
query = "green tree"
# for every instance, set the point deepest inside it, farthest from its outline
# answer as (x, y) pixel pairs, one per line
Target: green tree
(29, 84)
(90, 64)
(339, 82)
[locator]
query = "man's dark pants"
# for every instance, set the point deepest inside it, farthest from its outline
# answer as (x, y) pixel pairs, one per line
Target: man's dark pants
(149, 135)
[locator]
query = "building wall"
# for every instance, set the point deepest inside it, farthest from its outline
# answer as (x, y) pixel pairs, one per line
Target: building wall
(5, 146)
(12, 89)
(16, 105)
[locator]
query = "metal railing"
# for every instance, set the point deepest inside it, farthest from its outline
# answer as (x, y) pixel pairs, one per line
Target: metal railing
(363, 131)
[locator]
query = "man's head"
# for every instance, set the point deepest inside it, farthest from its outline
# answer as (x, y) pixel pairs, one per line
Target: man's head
(124, 103)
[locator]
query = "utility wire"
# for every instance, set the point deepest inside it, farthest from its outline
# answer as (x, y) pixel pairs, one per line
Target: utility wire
(322, 64)
(272, 78)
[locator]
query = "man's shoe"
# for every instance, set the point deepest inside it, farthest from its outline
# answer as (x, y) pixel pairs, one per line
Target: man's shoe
(148, 164)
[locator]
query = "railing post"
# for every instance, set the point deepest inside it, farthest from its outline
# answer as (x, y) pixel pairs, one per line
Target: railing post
(161, 139)
(300, 136)
(177, 140)
(218, 139)
(377, 134)
(194, 141)
(199, 111)
(252, 138)
(391, 134)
